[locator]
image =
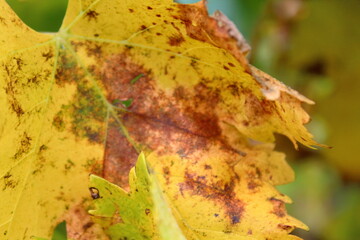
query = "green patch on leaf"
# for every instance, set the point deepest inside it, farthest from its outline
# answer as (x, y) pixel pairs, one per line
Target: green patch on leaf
(142, 213)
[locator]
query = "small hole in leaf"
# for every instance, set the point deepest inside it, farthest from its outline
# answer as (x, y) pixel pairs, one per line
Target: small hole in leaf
(94, 193)
(42, 16)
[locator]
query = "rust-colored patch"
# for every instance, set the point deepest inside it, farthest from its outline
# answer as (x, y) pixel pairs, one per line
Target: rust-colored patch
(92, 15)
(278, 207)
(286, 227)
(119, 157)
(200, 26)
(252, 185)
(222, 194)
(80, 226)
(179, 123)
(176, 40)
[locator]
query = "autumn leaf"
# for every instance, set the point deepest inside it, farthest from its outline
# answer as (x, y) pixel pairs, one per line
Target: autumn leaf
(121, 77)
(140, 214)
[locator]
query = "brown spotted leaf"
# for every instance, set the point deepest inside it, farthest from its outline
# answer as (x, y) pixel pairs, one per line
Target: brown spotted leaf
(125, 76)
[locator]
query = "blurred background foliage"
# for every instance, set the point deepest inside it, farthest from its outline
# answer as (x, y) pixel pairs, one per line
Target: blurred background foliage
(314, 47)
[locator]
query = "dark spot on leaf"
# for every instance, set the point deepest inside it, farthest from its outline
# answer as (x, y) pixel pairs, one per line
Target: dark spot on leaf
(94, 193)
(174, 26)
(91, 15)
(278, 207)
(226, 68)
(252, 185)
(69, 164)
(25, 145)
(249, 232)
(96, 35)
(231, 64)
(176, 40)
(15, 106)
(94, 50)
(48, 55)
(147, 211)
(58, 121)
(158, 15)
(221, 194)
(207, 167)
(235, 219)
(131, 10)
(150, 8)
(9, 182)
(216, 215)
(143, 27)
(88, 225)
(285, 227)
(234, 89)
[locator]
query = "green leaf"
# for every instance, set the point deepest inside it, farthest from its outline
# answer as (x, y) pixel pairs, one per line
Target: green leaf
(141, 213)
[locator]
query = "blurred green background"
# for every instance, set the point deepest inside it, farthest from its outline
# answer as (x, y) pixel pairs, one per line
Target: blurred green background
(314, 47)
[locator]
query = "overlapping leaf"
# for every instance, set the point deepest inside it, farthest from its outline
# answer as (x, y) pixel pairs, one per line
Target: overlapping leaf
(124, 76)
(142, 214)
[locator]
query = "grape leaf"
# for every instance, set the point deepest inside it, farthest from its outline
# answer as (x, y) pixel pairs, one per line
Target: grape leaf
(198, 103)
(141, 214)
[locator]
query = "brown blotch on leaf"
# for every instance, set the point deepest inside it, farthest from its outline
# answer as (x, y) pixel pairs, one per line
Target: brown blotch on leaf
(58, 121)
(278, 207)
(92, 15)
(143, 27)
(131, 10)
(9, 182)
(147, 211)
(252, 185)
(15, 106)
(285, 227)
(176, 40)
(222, 194)
(120, 156)
(178, 122)
(158, 15)
(87, 225)
(150, 8)
(48, 55)
(94, 50)
(11, 91)
(25, 145)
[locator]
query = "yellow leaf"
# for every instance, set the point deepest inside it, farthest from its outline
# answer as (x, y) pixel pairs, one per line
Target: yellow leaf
(196, 104)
